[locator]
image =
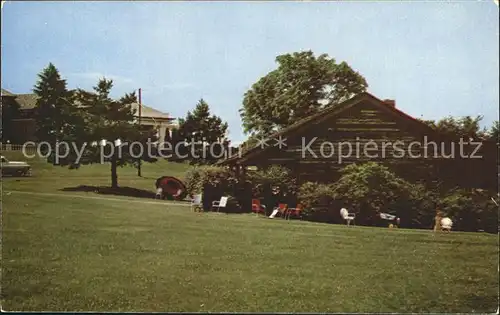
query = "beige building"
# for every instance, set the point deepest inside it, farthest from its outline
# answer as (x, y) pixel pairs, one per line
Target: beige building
(23, 125)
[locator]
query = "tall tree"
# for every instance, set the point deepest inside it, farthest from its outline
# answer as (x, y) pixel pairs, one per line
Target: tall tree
(10, 111)
(465, 127)
(204, 134)
(53, 106)
(302, 85)
(493, 133)
(107, 132)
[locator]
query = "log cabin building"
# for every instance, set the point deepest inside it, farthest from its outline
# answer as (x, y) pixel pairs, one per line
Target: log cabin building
(365, 128)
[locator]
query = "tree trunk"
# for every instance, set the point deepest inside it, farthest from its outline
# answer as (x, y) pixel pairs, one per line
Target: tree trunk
(114, 175)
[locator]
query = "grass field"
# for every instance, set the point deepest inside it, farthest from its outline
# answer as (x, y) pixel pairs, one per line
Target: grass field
(47, 177)
(61, 253)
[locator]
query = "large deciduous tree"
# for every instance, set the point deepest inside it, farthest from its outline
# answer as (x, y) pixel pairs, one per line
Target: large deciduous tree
(302, 85)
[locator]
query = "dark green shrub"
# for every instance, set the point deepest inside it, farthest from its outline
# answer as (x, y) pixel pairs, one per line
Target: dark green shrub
(471, 210)
(370, 188)
(318, 201)
(274, 176)
(193, 181)
(200, 176)
(312, 194)
(418, 210)
(262, 183)
(213, 182)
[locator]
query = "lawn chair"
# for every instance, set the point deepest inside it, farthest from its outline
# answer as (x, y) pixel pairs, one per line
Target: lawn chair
(159, 193)
(296, 212)
(257, 207)
(220, 204)
(347, 216)
(196, 203)
(446, 224)
(281, 208)
(392, 219)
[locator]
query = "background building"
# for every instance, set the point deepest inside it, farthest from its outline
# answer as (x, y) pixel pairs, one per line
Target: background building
(18, 123)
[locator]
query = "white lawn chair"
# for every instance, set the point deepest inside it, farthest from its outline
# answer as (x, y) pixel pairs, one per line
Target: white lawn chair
(282, 208)
(347, 216)
(196, 202)
(387, 216)
(274, 213)
(446, 224)
(220, 204)
(159, 193)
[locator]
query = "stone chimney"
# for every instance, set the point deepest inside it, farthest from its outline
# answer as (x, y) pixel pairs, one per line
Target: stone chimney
(391, 103)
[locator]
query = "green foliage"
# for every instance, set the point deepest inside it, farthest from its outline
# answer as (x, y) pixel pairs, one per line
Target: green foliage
(10, 111)
(273, 176)
(302, 85)
(465, 127)
(370, 182)
(113, 120)
(493, 133)
(202, 130)
(75, 124)
(412, 203)
(54, 106)
(219, 181)
(312, 194)
(199, 177)
(249, 143)
(193, 181)
(370, 188)
(214, 182)
(418, 209)
(471, 210)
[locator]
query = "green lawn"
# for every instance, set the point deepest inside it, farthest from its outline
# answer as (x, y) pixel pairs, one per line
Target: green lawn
(47, 177)
(61, 253)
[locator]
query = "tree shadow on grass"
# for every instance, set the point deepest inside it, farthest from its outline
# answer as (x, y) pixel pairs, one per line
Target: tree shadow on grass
(106, 190)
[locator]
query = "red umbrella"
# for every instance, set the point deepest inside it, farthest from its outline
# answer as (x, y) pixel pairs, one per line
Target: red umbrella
(172, 186)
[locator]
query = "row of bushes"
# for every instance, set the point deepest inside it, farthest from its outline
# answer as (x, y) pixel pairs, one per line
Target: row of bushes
(365, 189)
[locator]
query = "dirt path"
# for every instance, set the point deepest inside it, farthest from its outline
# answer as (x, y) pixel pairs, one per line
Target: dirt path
(139, 200)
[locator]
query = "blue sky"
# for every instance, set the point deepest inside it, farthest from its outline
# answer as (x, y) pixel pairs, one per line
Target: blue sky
(434, 58)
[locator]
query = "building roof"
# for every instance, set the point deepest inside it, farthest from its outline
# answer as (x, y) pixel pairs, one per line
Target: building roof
(6, 93)
(28, 101)
(150, 112)
(327, 113)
